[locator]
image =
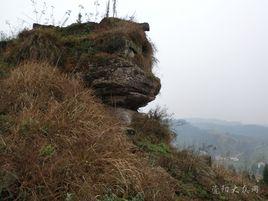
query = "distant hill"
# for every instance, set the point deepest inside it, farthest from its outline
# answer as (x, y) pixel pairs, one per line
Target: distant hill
(249, 143)
(235, 128)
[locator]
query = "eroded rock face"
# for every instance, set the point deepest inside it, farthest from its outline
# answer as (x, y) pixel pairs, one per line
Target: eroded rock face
(114, 57)
(121, 83)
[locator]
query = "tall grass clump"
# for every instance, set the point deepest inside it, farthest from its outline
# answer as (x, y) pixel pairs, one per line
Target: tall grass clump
(153, 126)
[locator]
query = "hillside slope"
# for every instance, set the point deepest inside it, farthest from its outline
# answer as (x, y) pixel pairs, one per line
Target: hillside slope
(59, 140)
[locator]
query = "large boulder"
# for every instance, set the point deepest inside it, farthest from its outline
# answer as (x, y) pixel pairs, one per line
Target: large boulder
(122, 83)
(114, 57)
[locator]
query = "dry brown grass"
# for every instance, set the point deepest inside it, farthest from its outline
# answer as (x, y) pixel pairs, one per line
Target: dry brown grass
(61, 47)
(42, 45)
(63, 143)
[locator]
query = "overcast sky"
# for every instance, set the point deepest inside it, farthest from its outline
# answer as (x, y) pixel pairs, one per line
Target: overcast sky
(212, 53)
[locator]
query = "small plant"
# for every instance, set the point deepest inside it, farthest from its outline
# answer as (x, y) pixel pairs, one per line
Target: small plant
(40, 11)
(47, 151)
(65, 18)
(79, 18)
(96, 4)
(69, 197)
(45, 129)
(11, 29)
(107, 11)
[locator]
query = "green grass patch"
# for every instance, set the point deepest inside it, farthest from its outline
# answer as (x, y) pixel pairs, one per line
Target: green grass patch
(47, 151)
(161, 148)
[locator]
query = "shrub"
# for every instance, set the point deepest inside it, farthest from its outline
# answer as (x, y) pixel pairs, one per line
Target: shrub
(153, 127)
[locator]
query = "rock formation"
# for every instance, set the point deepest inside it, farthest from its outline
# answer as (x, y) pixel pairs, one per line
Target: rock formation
(114, 57)
(122, 83)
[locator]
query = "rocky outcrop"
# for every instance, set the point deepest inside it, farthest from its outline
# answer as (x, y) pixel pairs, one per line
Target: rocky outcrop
(121, 83)
(114, 57)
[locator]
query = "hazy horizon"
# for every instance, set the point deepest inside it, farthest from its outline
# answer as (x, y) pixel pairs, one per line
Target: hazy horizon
(220, 120)
(212, 54)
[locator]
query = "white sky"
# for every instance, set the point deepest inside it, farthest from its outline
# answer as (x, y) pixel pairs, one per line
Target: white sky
(213, 53)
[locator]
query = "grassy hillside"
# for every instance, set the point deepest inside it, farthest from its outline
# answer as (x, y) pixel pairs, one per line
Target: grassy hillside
(57, 142)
